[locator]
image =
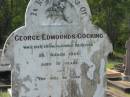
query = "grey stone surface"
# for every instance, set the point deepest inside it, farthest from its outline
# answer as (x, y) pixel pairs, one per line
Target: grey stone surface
(58, 53)
(127, 72)
(0, 52)
(124, 59)
(4, 64)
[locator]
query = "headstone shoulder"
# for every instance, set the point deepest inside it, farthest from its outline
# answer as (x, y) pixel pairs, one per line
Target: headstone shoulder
(8, 49)
(127, 45)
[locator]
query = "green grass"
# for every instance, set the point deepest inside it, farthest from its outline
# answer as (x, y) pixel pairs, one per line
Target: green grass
(112, 63)
(4, 94)
(114, 59)
(118, 54)
(110, 66)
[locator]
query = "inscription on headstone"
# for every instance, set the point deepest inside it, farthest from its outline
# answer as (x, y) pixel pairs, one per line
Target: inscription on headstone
(59, 52)
(127, 72)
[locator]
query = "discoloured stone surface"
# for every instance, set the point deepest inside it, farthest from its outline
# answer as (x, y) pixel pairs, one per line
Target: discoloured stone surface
(127, 72)
(53, 54)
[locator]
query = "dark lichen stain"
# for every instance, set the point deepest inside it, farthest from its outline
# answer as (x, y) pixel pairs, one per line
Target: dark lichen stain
(96, 59)
(27, 78)
(18, 83)
(88, 86)
(73, 89)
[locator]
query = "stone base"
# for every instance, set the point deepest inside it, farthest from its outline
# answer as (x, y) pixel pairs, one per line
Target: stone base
(126, 78)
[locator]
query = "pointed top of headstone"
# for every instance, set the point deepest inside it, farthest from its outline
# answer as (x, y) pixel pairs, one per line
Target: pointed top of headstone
(57, 12)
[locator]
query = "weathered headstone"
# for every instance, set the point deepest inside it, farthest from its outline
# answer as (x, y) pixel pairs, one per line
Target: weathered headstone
(124, 59)
(127, 71)
(0, 54)
(5, 64)
(59, 52)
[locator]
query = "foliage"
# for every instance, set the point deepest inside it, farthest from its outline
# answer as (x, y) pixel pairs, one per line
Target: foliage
(113, 16)
(11, 16)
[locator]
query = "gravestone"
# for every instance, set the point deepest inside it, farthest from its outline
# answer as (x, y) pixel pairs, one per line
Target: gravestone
(0, 54)
(5, 64)
(127, 71)
(124, 60)
(58, 53)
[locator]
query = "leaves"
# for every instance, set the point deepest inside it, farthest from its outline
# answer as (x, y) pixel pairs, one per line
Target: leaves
(113, 16)
(12, 14)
